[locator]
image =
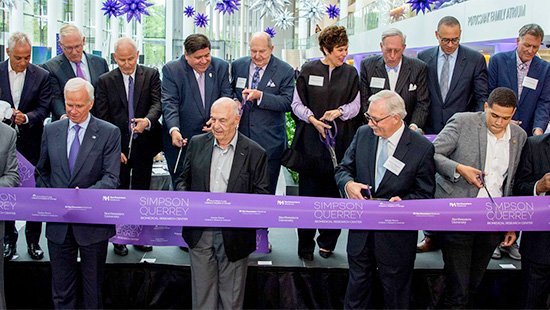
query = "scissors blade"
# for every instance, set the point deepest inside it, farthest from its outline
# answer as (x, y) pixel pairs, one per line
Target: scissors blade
(333, 156)
(178, 160)
(130, 144)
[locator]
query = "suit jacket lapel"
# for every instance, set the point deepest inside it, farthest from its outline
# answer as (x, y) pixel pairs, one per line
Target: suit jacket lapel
(511, 68)
(209, 76)
(399, 153)
(194, 88)
(532, 73)
(371, 158)
(457, 71)
(121, 89)
(380, 71)
(140, 79)
(27, 85)
(61, 138)
(404, 74)
(547, 150)
(514, 151)
(270, 69)
(86, 147)
(6, 89)
(482, 141)
(92, 69)
(67, 68)
(207, 161)
(240, 157)
(432, 68)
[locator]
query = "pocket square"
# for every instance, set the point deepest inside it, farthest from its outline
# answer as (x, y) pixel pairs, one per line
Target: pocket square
(412, 87)
(270, 84)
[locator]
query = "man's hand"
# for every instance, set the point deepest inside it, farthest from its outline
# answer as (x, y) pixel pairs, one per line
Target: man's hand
(19, 117)
(537, 132)
(140, 125)
(123, 158)
(517, 122)
(208, 127)
(543, 185)
(177, 139)
(354, 190)
(320, 126)
(395, 198)
(251, 94)
(470, 174)
(509, 239)
(331, 115)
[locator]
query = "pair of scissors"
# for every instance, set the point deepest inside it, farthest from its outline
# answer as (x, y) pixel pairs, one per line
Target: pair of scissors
(330, 141)
(481, 177)
(133, 135)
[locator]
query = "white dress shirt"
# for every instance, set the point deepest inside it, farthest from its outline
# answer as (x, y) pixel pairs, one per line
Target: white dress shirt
(71, 132)
(496, 163)
(392, 144)
(393, 75)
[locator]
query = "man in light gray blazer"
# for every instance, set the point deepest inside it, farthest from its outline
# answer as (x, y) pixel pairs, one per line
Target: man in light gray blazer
(476, 153)
(9, 177)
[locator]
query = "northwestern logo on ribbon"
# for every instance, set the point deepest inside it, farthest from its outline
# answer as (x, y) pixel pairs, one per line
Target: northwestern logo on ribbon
(216, 202)
(7, 203)
(163, 207)
(113, 198)
(510, 211)
(329, 211)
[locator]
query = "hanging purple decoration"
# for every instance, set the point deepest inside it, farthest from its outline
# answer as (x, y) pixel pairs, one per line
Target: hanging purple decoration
(332, 11)
(228, 6)
(270, 32)
(135, 8)
(189, 11)
(420, 5)
(112, 8)
(201, 20)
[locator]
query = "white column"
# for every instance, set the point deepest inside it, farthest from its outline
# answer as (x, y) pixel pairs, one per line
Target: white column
(99, 25)
(52, 26)
(188, 22)
(114, 34)
(242, 44)
(343, 8)
(128, 28)
(169, 30)
(139, 37)
(78, 13)
(16, 18)
(215, 25)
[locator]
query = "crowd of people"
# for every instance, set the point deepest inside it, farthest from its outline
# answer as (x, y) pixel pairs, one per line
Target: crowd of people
(223, 129)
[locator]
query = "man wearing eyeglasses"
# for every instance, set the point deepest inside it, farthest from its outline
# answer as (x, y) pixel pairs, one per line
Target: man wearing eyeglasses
(385, 161)
(457, 81)
(476, 155)
(74, 62)
(404, 75)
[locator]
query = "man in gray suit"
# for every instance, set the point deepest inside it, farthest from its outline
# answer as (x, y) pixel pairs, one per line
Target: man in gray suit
(9, 177)
(74, 62)
(223, 160)
(476, 155)
(80, 151)
(404, 75)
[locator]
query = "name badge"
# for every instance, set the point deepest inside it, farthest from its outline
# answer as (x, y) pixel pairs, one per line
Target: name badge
(394, 165)
(376, 82)
(315, 80)
(530, 82)
(241, 82)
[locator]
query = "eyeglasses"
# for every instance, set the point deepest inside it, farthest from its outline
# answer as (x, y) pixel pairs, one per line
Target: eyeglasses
(71, 48)
(374, 121)
(446, 41)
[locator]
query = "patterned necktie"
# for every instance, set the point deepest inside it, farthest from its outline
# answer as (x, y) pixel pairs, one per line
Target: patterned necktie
(131, 104)
(382, 157)
(256, 78)
(201, 87)
(79, 72)
(75, 146)
(522, 73)
(444, 80)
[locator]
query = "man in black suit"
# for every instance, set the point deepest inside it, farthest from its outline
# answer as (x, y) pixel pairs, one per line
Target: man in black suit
(74, 62)
(129, 97)
(404, 75)
(222, 161)
(26, 88)
(457, 81)
(533, 178)
(79, 152)
(396, 163)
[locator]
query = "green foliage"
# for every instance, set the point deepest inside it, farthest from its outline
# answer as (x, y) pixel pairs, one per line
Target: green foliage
(290, 130)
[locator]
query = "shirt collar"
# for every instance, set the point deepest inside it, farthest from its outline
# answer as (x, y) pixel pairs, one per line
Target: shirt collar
(196, 74)
(507, 134)
(83, 60)
(10, 69)
(253, 66)
(396, 68)
(133, 75)
(441, 53)
(82, 125)
(233, 142)
(518, 61)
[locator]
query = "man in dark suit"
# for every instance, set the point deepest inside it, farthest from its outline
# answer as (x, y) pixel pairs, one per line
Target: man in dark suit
(268, 94)
(528, 76)
(190, 85)
(404, 75)
(27, 88)
(129, 97)
(457, 81)
(222, 161)
(74, 62)
(408, 156)
(79, 152)
(533, 178)
(476, 155)
(9, 177)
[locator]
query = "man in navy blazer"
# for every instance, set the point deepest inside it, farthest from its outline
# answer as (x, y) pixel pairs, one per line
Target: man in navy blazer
(268, 97)
(74, 62)
(79, 152)
(533, 178)
(190, 85)
(385, 142)
(26, 87)
(528, 76)
(464, 73)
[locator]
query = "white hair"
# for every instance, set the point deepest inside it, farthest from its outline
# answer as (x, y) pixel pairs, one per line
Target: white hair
(393, 32)
(18, 38)
(393, 102)
(76, 84)
(262, 34)
(68, 30)
(126, 40)
(227, 100)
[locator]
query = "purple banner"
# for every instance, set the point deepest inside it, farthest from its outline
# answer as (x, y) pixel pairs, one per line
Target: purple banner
(26, 171)
(243, 210)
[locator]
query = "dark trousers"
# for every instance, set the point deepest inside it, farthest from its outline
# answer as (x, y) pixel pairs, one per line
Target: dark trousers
(365, 267)
(64, 273)
(32, 232)
(327, 239)
(535, 285)
(273, 170)
(140, 169)
(466, 256)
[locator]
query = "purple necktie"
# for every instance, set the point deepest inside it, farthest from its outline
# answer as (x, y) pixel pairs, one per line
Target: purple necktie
(256, 78)
(201, 87)
(79, 72)
(131, 104)
(73, 153)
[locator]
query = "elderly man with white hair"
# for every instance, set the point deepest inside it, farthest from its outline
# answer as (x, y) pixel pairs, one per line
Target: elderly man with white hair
(385, 161)
(80, 151)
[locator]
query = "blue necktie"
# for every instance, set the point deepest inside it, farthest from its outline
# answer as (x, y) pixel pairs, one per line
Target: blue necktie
(75, 146)
(131, 104)
(382, 157)
(256, 78)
